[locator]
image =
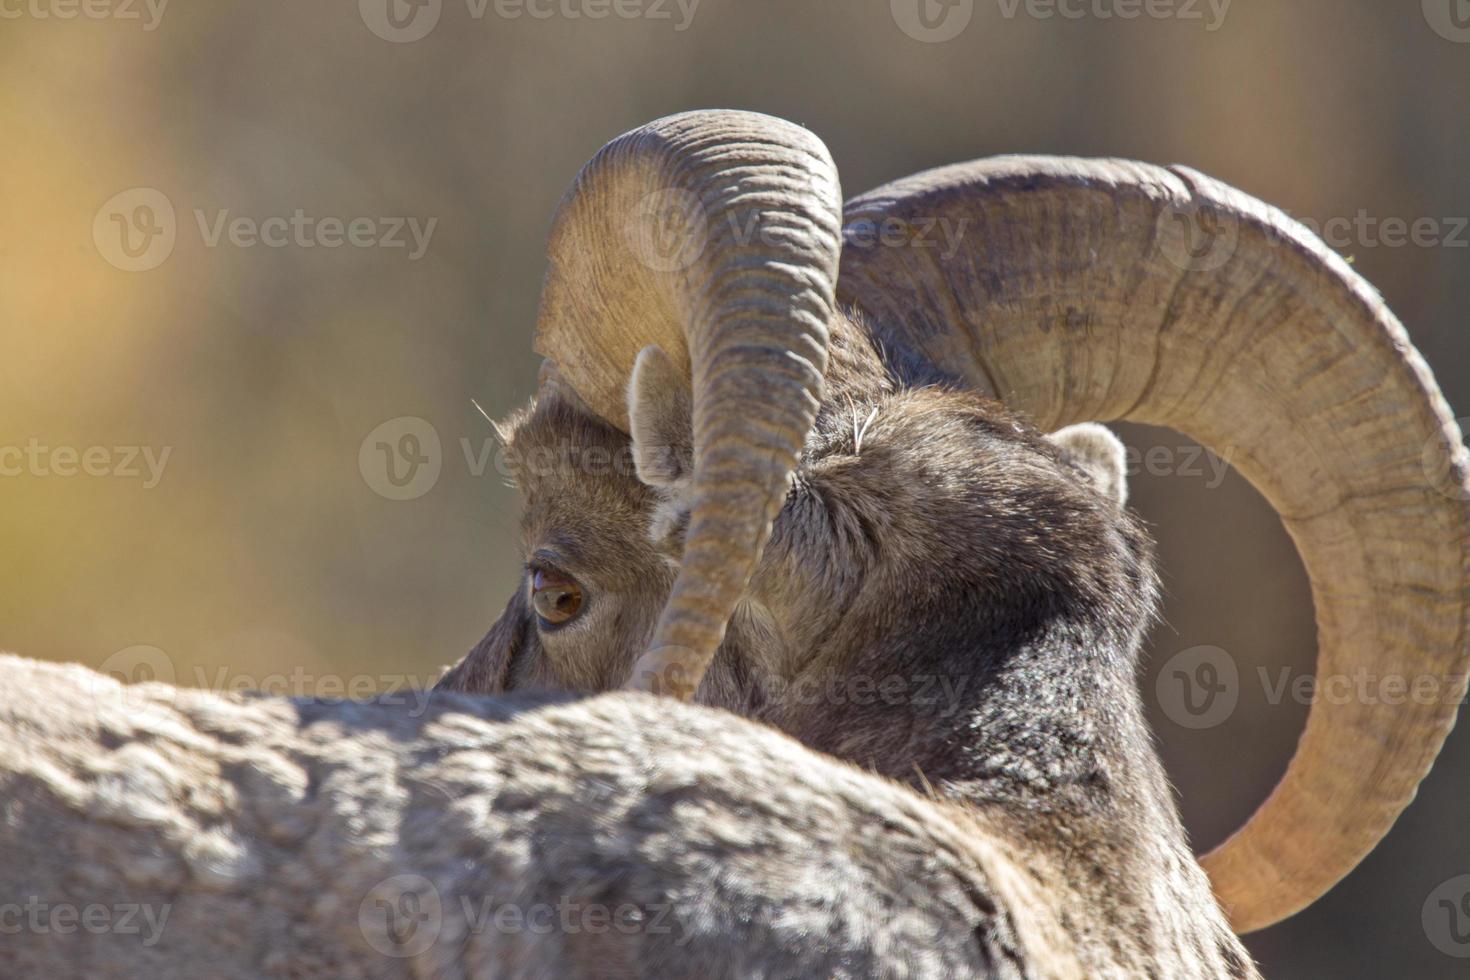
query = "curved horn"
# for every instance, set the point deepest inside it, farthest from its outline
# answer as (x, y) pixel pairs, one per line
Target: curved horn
(715, 236)
(1112, 290)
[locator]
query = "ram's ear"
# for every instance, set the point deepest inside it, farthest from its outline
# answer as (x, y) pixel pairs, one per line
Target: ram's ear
(1099, 454)
(660, 413)
(486, 668)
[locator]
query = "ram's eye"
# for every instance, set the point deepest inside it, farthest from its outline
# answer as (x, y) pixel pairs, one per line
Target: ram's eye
(557, 598)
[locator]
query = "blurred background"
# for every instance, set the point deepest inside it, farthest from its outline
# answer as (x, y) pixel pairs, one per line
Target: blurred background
(241, 245)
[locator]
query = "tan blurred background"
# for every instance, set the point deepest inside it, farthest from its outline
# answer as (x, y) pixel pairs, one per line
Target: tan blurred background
(192, 491)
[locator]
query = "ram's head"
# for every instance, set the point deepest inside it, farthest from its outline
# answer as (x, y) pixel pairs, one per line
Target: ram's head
(932, 521)
(745, 476)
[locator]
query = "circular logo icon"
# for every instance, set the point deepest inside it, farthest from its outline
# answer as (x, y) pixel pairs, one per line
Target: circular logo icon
(400, 21)
(667, 670)
(130, 666)
(1446, 917)
(1198, 688)
(1439, 466)
(135, 230)
(1450, 19)
(1196, 239)
(401, 916)
(932, 21)
(401, 458)
(668, 230)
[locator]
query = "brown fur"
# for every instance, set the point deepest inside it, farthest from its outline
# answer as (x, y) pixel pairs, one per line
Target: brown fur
(946, 599)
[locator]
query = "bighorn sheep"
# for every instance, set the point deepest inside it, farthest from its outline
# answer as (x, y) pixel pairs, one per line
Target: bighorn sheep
(153, 832)
(822, 492)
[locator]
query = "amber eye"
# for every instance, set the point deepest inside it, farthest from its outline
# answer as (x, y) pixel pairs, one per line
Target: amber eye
(557, 598)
